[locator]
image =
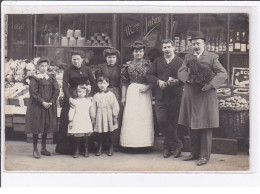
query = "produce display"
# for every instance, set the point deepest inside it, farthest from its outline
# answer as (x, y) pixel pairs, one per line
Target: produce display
(17, 81)
(234, 103)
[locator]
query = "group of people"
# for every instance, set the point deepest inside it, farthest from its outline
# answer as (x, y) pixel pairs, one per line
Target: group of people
(116, 102)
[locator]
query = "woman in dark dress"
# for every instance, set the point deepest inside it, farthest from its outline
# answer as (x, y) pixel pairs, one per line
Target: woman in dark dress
(74, 75)
(111, 70)
(41, 114)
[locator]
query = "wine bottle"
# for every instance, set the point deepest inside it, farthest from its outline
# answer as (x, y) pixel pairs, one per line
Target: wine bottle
(220, 47)
(213, 46)
(41, 38)
(46, 37)
(217, 46)
(237, 43)
(209, 45)
(231, 45)
(57, 37)
(224, 46)
(243, 42)
(51, 38)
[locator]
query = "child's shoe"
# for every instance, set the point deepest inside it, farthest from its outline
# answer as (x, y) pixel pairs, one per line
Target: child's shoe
(99, 150)
(45, 152)
(111, 150)
(76, 155)
(86, 154)
(36, 154)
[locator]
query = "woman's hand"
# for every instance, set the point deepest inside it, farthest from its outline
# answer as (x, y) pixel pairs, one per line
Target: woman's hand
(72, 103)
(143, 89)
(172, 81)
(114, 121)
(46, 105)
(93, 122)
(123, 101)
(70, 125)
(162, 84)
(206, 87)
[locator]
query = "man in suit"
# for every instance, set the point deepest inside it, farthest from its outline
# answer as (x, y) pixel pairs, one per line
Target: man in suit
(199, 106)
(168, 91)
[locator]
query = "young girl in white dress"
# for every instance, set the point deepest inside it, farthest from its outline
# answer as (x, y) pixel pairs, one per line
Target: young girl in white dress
(104, 113)
(80, 125)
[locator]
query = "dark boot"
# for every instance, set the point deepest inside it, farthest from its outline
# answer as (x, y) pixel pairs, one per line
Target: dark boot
(86, 153)
(100, 142)
(166, 152)
(44, 151)
(99, 150)
(36, 153)
(76, 148)
(111, 144)
(111, 150)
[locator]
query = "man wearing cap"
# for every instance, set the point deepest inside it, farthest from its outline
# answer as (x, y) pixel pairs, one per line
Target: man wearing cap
(199, 106)
(168, 91)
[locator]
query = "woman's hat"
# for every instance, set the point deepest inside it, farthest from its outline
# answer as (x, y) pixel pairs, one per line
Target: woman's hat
(197, 35)
(111, 51)
(138, 45)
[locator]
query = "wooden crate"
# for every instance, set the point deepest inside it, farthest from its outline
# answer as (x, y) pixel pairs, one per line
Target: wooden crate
(8, 121)
(19, 127)
(19, 119)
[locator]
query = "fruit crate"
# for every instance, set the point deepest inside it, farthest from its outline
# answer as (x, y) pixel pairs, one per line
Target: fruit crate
(234, 122)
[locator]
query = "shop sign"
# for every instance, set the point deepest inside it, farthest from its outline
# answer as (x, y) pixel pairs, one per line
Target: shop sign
(151, 23)
(240, 77)
(132, 29)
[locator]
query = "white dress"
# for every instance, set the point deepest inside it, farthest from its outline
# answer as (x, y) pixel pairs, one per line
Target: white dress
(137, 126)
(80, 116)
(104, 111)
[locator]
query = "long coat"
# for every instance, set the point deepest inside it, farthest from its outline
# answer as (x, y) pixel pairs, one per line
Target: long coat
(199, 110)
(38, 119)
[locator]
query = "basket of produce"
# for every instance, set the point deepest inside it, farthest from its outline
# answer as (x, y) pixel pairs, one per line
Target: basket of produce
(234, 117)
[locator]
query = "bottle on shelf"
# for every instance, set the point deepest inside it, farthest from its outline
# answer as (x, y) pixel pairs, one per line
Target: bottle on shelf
(46, 37)
(231, 45)
(243, 42)
(217, 46)
(220, 47)
(213, 46)
(182, 44)
(51, 38)
(57, 37)
(237, 46)
(209, 45)
(224, 46)
(41, 42)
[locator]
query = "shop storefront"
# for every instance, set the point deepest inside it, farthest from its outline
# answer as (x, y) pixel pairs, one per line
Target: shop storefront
(56, 35)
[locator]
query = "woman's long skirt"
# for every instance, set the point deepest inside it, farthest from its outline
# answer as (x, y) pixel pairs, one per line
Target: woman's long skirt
(137, 126)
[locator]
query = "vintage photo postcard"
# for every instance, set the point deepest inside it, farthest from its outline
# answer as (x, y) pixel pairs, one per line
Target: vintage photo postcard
(126, 89)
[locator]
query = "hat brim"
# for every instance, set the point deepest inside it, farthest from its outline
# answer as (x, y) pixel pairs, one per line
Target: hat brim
(197, 38)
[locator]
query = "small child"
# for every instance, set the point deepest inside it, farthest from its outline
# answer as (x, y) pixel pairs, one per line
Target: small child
(41, 114)
(80, 125)
(104, 113)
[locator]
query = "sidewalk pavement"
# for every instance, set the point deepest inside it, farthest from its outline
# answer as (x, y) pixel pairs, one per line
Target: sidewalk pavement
(18, 157)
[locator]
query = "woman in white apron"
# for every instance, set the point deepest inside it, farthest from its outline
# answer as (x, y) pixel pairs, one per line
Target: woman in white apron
(137, 127)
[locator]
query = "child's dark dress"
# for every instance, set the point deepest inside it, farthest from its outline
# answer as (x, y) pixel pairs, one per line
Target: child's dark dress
(38, 119)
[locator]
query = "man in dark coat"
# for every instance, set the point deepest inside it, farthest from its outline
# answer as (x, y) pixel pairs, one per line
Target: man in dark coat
(168, 91)
(199, 107)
